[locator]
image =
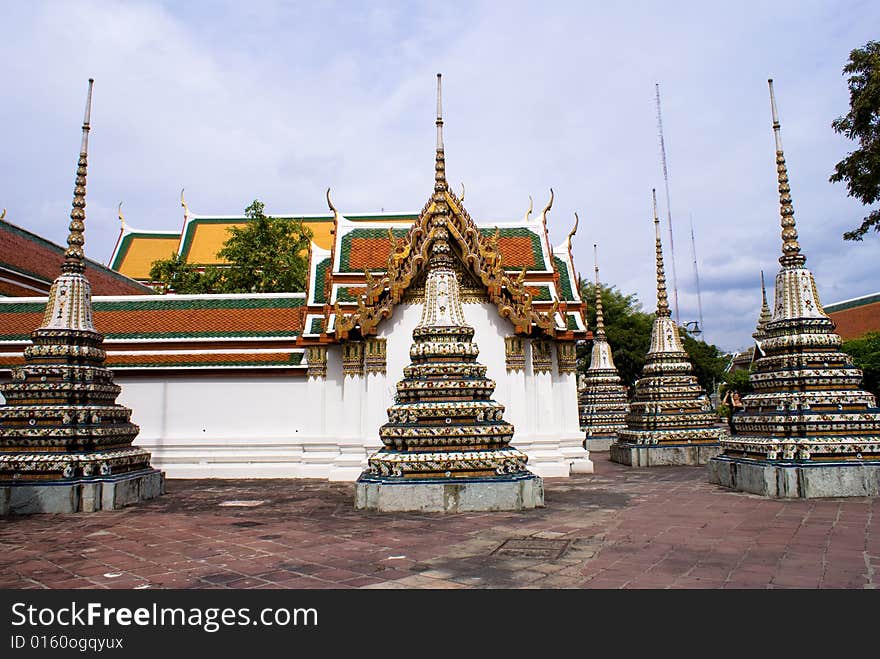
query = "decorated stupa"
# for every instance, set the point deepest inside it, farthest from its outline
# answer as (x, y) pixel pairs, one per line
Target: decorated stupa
(670, 419)
(807, 429)
(65, 445)
(603, 400)
(446, 446)
(760, 332)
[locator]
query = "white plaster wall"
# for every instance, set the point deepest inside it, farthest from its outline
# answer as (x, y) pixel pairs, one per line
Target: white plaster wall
(289, 426)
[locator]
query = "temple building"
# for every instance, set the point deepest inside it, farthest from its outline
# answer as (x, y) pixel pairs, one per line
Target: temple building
(670, 419)
(855, 317)
(65, 445)
(602, 399)
(30, 263)
(298, 384)
(807, 430)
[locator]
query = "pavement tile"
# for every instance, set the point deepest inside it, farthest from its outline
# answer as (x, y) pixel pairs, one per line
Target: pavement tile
(639, 528)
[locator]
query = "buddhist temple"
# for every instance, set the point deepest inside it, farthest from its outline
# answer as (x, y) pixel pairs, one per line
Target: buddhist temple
(300, 383)
(807, 430)
(670, 419)
(65, 445)
(602, 399)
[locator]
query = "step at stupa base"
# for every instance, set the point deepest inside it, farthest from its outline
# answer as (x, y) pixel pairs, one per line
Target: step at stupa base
(796, 480)
(80, 495)
(660, 455)
(449, 495)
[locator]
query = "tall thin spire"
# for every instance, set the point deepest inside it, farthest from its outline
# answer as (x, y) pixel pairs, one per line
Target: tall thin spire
(74, 256)
(765, 317)
(600, 319)
(791, 250)
(440, 184)
(662, 300)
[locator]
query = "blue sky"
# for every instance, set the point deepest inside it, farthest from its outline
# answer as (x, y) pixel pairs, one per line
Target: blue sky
(279, 100)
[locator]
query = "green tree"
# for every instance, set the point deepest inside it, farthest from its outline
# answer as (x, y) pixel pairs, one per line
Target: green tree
(708, 360)
(175, 275)
(865, 352)
(267, 255)
(628, 328)
(861, 168)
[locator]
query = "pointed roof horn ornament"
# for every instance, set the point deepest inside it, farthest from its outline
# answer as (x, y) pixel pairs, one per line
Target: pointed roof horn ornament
(572, 232)
(547, 208)
(528, 212)
(186, 212)
(121, 216)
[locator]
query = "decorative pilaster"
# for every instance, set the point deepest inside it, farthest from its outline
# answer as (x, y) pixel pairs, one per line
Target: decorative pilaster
(514, 354)
(352, 358)
(375, 360)
(317, 361)
(542, 355)
(566, 356)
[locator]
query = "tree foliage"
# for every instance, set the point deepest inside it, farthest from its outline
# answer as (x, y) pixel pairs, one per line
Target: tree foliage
(628, 328)
(861, 168)
(267, 255)
(865, 352)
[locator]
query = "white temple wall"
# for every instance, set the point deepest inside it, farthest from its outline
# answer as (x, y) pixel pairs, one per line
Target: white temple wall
(285, 426)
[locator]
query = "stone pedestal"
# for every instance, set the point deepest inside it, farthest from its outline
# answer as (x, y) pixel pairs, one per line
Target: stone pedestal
(449, 495)
(636, 455)
(80, 495)
(797, 480)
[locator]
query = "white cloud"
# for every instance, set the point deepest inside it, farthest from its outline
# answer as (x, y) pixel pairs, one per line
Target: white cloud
(276, 100)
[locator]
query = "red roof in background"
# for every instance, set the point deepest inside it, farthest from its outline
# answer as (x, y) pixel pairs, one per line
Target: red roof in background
(39, 262)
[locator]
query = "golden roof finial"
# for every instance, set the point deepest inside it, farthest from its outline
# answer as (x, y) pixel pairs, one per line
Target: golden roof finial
(791, 250)
(186, 212)
(74, 256)
(547, 208)
(3, 215)
(461, 198)
(572, 232)
(528, 212)
(600, 318)
(330, 204)
(440, 184)
(121, 216)
(662, 300)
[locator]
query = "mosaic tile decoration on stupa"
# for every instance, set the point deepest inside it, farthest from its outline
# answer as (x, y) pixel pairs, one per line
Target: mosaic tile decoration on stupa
(65, 444)
(446, 446)
(671, 419)
(807, 429)
(602, 400)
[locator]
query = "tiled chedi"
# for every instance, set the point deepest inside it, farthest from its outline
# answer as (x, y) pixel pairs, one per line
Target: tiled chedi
(807, 429)
(670, 419)
(60, 423)
(602, 400)
(444, 426)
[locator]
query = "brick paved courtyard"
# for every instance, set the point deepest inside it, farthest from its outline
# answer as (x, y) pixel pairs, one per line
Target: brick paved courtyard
(619, 528)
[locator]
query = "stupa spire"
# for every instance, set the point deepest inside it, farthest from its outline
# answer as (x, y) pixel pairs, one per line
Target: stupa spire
(440, 184)
(74, 257)
(662, 299)
(600, 320)
(791, 249)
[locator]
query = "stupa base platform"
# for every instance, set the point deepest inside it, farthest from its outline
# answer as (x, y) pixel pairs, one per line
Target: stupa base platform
(448, 495)
(80, 495)
(797, 480)
(660, 455)
(600, 443)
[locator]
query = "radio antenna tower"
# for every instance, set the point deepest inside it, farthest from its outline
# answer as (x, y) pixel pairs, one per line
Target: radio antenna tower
(668, 206)
(696, 273)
